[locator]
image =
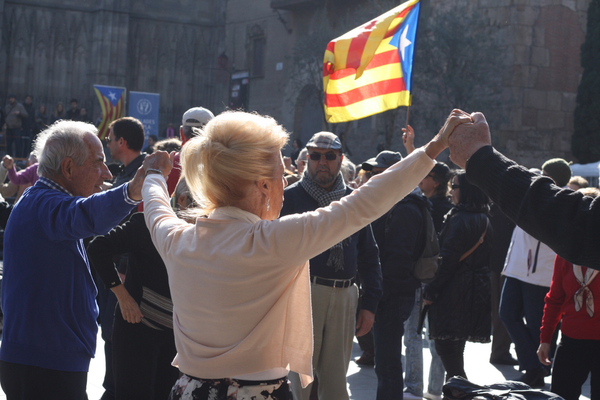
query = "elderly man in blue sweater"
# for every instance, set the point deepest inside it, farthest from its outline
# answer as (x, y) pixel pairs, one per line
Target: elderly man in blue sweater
(48, 294)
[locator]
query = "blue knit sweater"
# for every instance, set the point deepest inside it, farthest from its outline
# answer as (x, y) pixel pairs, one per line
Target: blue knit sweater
(48, 294)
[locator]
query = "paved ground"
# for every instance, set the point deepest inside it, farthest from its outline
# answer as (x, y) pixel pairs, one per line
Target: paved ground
(362, 382)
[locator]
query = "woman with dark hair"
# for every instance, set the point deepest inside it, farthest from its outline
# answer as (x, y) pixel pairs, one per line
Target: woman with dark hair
(59, 112)
(459, 296)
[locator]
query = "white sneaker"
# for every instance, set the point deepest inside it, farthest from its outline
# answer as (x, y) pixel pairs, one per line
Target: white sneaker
(430, 396)
(410, 396)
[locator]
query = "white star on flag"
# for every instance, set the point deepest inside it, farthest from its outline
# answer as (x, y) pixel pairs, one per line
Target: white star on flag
(404, 42)
(113, 96)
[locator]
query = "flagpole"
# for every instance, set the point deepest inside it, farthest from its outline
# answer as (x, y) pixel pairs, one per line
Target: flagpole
(407, 115)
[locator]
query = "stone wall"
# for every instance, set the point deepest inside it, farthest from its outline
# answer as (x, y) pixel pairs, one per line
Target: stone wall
(543, 40)
(57, 49)
(539, 41)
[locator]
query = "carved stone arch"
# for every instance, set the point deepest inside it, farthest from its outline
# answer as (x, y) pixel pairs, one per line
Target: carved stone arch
(165, 62)
(80, 64)
(308, 118)
(19, 52)
(60, 59)
(184, 57)
(42, 39)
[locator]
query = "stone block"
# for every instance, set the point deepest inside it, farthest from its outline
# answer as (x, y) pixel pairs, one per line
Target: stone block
(539, 35)
(551, 120)
(545, 3)
(570, 4)
(524, 15)
(522, 76)
(540, 56)
(494, 3)
(499, 16)
(553, 101)
(516, 34)
(582, 5)
(529, 117)
(521, 55)
(515, 118)
(536, 99)
(569, 100)
(526, 2)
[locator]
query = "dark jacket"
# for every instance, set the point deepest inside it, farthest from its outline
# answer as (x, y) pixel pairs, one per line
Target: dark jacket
(360, 255)
(400, 236)
(146, 268)
(441, 205)
(460, 292)
(458, 388)
(568, 222)
(503, 229)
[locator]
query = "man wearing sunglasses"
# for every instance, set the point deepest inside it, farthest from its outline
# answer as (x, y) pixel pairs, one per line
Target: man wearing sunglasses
(333, 273)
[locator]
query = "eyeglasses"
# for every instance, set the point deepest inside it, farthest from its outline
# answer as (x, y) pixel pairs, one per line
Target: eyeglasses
(328, 156)
(107, 140)
(455, 187)
(373, 173)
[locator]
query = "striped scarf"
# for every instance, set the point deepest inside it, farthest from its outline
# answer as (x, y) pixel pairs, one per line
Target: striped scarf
(324, 198)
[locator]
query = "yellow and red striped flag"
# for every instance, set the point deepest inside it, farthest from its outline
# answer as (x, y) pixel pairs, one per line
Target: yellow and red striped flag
(368, 70)
(112, 101)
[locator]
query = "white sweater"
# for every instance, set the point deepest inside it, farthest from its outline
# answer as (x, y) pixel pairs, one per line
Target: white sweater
(529, 260)
(240, 285)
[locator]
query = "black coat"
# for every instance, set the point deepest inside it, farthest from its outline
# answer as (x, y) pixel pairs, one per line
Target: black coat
(461, 308)
(400, 236)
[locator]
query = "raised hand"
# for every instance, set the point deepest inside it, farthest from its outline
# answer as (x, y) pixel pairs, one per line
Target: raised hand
(467, 138)
(8, 162)
(440, 141)
(408, 139)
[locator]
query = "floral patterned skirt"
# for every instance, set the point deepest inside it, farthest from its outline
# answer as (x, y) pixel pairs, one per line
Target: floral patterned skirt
(190, 388)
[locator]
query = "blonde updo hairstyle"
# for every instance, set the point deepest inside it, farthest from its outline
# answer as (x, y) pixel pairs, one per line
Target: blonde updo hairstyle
(234, 150)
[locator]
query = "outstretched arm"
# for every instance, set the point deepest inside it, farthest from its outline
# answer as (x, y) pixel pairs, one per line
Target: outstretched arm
(565, 220)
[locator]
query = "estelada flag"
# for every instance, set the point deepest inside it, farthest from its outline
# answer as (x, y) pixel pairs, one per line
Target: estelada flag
(112, 101)
(368, 70)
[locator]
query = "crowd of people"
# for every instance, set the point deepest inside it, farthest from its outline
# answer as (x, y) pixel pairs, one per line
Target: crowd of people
(24, 122)
(219, 269)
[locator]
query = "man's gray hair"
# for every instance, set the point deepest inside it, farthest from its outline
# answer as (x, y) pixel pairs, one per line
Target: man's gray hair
(190, 131)
(62, 139)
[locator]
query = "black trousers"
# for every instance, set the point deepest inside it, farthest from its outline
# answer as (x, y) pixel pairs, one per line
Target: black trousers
(575, 359)
(451, 353)
(142, 359)
(26, 382)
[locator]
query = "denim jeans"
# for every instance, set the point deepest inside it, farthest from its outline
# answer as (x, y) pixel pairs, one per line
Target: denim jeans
(413, 341)
(387, 333)
(523, 299)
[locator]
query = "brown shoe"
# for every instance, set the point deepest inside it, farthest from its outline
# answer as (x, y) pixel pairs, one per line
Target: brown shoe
(367, 358)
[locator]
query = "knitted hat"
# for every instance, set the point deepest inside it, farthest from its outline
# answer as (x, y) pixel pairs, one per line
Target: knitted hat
(559, 170)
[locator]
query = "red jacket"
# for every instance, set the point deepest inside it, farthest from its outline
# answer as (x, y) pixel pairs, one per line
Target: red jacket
(560, 303)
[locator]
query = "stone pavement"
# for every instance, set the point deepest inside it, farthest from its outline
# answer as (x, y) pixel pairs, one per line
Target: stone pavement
(362, 382)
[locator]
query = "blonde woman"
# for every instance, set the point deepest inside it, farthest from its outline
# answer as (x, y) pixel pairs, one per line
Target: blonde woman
(238, 275)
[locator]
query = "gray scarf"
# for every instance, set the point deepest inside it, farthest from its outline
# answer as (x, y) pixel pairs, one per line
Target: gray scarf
(324, 198)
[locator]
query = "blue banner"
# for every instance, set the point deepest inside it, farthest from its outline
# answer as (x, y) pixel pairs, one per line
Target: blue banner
(145, 106)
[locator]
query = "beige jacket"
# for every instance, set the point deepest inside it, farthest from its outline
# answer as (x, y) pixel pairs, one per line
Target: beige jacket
(240, 285)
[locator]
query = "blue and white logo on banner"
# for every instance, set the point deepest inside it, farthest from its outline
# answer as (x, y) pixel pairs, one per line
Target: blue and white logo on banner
(145, 107)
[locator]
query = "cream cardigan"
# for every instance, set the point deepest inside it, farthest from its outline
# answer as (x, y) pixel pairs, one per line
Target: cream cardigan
(240, 285)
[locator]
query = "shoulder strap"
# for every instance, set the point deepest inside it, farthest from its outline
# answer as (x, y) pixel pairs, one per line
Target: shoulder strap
(468, 253)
